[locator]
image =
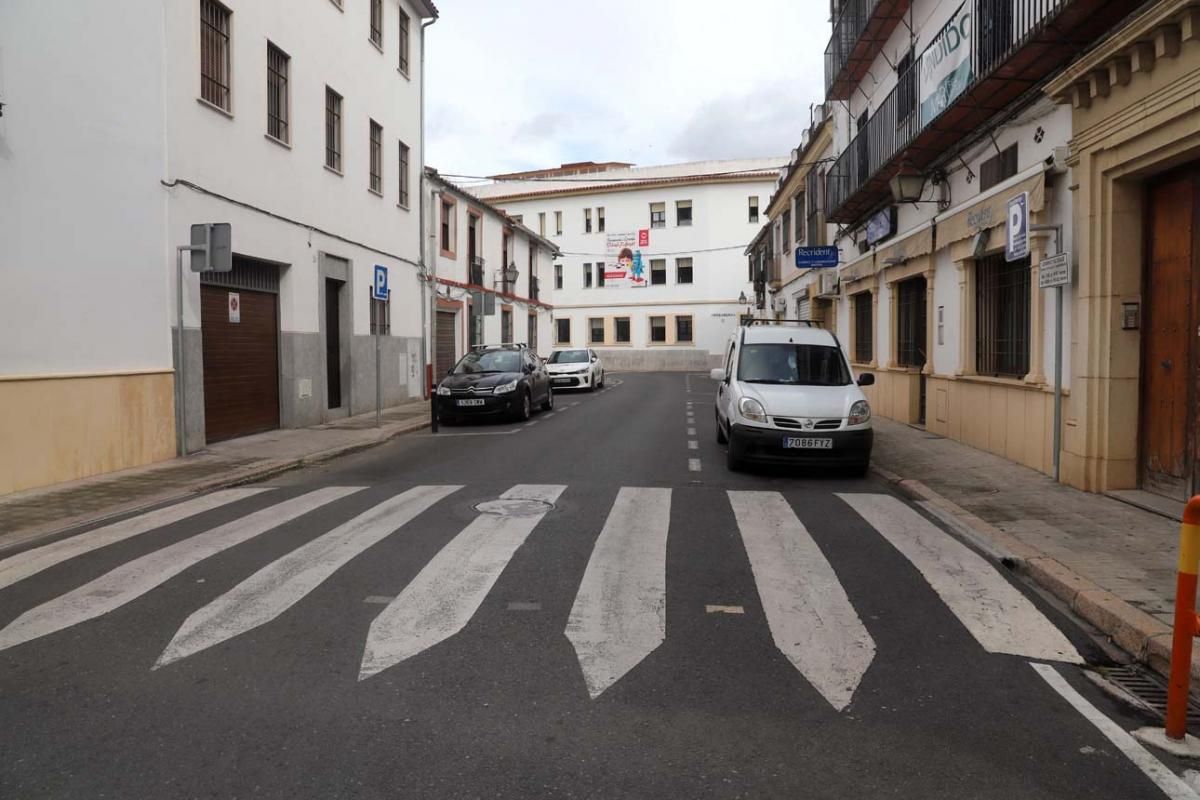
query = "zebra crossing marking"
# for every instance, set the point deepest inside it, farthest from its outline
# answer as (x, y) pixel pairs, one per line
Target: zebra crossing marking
(30, 562)
(284, 582)
(135, 578)
(1000, 618)
(619, 615)
(441, 600)
(810, 616)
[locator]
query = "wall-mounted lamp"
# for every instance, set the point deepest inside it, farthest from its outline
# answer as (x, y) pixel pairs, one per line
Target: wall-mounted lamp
(908, 184)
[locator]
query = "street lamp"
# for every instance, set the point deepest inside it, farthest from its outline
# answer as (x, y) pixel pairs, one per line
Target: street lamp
(907, 185)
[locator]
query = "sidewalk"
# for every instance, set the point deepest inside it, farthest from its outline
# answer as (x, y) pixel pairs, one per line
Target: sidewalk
(34, 514)
(1112, 563)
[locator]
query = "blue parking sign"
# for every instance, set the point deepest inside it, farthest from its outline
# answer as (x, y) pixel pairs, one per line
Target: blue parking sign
(379, 287)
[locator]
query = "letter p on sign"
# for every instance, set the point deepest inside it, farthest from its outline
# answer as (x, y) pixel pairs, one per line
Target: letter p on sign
(379, 287)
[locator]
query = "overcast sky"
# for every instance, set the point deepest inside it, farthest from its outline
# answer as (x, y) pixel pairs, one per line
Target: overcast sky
(526, 84)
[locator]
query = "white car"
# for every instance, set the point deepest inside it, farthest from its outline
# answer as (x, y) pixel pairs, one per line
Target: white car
(787, 395)
(575, 369)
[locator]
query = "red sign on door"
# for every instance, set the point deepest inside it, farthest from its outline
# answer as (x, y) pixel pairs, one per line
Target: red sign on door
(644, 237)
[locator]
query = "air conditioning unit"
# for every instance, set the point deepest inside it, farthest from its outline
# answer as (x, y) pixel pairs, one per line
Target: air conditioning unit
(779, 305)
(828, 284)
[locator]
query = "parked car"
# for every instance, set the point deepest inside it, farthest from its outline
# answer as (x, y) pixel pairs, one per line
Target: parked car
(787, 395)
(576, 369)
(495, 381)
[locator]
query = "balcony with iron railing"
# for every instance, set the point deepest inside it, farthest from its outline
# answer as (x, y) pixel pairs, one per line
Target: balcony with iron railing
(475, 278)
(943, 99)
(860, 31)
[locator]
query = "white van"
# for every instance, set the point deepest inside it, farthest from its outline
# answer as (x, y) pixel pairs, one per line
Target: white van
(787, 395)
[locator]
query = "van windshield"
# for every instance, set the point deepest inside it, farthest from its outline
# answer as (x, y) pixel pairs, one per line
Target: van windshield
(793, 364)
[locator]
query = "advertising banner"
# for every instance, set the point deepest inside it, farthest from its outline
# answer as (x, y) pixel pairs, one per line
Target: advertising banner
(946, 66)
(625, 268)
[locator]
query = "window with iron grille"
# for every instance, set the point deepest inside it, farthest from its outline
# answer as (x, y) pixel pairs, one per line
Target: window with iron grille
(587, 275)
(277, 93)
(658, 215)
(377, 22)
(381, 316)
(814, 193)
(785, 231)
(621, 330)
(998, 168)
(376, 157)
(864, 328)
(214, 53)
(1002, 317)
(683, 270)
(403, 42)
(658, 329)
(799, 220)
(600, 219)
(562, 331)
(404, 174)
(658, 271)
(910, 322)
(333, 130)
(683, 329)
(683, 212)
(906, 93)
(587, 220)
(595, 330)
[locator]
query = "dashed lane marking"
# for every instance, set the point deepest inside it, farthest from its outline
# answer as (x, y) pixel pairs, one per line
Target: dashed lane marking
(691, 431)
(694, 464)
(715, 609)
(693, 444)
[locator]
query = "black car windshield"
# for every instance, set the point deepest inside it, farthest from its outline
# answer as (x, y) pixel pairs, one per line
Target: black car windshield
(793, 364)
(488, 361)
(568, 357)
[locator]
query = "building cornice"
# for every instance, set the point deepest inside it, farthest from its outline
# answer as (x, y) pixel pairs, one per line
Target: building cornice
(822, 137)
(633, 186)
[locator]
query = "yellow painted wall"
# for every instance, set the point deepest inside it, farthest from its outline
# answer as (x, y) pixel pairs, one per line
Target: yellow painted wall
(61, 429)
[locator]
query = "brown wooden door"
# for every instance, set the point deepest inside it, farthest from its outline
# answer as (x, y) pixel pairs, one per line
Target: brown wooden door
(241, 362)
(1169, 367)
(447, 356)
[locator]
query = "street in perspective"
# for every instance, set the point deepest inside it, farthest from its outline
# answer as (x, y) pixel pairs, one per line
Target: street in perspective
(472, 400)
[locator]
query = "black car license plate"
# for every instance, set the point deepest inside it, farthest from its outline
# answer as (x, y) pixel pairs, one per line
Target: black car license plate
(807, 443)
(470, 402)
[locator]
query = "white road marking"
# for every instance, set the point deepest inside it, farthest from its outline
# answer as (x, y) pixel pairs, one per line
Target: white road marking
(714, 609)
(531, 424)
(281, 584)
(1171, 784)
(1000, 618)
(480, 433)
(620, 613)
(693, 444)
(694, 464)
(22, 565)
(691, 431)
(441, 600)
(130, 581)
(812, 620)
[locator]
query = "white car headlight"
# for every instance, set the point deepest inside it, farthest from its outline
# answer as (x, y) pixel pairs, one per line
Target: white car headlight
(506, 388)
(752, 409)
(444, 391)
(860, 412)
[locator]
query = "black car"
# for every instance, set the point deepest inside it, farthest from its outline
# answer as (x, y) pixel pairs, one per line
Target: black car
(494, 381)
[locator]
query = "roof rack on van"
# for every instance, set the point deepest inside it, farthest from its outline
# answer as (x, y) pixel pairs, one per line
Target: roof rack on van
(811, 323)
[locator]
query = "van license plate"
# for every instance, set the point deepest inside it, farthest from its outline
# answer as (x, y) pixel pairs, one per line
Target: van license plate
(470, 402)
(806, 443)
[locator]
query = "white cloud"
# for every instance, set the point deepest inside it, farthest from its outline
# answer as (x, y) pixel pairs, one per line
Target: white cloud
(534, 83)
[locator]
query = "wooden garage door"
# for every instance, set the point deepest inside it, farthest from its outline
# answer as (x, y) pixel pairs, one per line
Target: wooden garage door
(241, 363)
(446, 353)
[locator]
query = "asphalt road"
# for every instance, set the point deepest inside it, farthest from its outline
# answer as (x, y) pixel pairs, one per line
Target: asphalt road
(633, 624)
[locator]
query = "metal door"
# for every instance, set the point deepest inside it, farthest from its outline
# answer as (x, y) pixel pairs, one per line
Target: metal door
(241, 361)
(447, 353)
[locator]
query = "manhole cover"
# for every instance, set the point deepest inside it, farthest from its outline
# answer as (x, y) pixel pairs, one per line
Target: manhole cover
(514, 508)
(1150, 689)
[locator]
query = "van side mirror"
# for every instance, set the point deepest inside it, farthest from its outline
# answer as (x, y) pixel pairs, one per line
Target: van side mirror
(717, 374)
(866, 379)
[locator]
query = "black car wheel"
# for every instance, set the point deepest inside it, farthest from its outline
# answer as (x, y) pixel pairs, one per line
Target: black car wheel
(548, 405)
(526, 408)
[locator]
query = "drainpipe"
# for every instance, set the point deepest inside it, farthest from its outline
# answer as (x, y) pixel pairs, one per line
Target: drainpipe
(426, 325)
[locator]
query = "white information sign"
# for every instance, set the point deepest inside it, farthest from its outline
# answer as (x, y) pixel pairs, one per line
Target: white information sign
(1055, 271)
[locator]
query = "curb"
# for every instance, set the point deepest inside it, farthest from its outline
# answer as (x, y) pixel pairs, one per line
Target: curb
(259, 472)
(1142, 636)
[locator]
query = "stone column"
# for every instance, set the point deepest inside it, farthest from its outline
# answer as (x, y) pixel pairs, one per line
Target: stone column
(930, 319)
(966, 317)
(1037, 312)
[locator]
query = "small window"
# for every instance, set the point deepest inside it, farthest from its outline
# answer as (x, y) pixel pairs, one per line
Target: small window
(683, 212)
(403, 42)
(658, 215)
(381, 316)
(448, 233)
(587, 220)
(599, 273)
(658, 271)
(906, 88)
(376, 150)
(998, 168)
(683, 329)
(377, 22)
(277, 93)
(621, 330)
(683, 270)
(799, 221)
(562, 331)
(864, 329)
(595, 330)
(558, 276)
(658, 329)
(214, 53)
(785, 231)
(558, 223)
(542, 225)
(333, 130)
(754, 209)
(404, 174)
(600, 219)
(587, 276)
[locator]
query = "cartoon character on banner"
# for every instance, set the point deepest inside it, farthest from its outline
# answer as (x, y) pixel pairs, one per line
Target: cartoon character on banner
(637, 272)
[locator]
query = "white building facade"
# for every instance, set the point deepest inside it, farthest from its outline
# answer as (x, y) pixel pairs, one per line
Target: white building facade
(301, 130)
(684, 225)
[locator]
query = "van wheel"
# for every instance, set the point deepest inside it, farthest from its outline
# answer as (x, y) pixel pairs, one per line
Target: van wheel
(721, 437)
